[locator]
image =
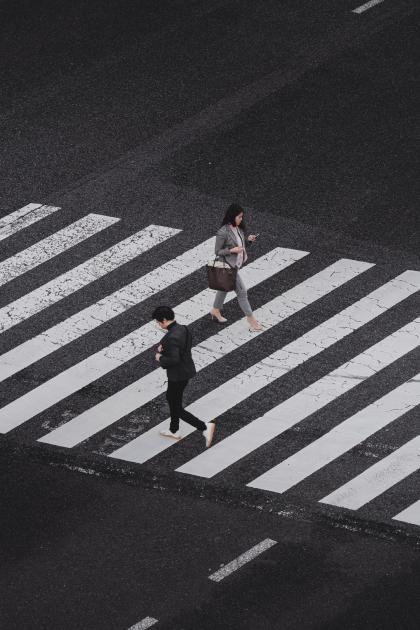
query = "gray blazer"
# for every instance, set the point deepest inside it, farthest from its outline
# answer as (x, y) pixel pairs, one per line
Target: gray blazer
(225, 241)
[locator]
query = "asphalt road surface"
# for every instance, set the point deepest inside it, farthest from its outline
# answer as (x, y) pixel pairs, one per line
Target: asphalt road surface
(79, 551)
(126, 130)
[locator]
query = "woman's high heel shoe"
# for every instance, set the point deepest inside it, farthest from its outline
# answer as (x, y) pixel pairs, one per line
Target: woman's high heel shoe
(219, 318)
(255, 326)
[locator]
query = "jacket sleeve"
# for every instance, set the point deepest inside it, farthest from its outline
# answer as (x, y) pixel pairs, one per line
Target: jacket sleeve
(219, 248)
(247, 243)
(171, 353)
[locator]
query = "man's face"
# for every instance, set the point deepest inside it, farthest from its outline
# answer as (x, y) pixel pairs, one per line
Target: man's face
(163, 325)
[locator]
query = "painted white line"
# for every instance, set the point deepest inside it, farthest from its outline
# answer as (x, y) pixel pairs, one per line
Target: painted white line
(22, 218)
(111, 357)
(53, 245)
(410, 515)
(149, 443)
(244, 558)
(106, 309)
(18, 214)
(306, 402)
(145, 623)
(378, 478)
(366, 6)
(75, 279)
(341, 439)
(297, 352)
(83, 426)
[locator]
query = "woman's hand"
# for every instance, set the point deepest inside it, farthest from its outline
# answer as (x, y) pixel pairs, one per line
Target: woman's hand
(252, 237)
(236, 250)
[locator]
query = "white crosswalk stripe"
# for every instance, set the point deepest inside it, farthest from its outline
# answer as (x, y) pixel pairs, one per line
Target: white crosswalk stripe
(53, 245)
(381, 476)
(75, 279)
(23, 218)
(239, 388)
(83, 426)
(105, 309)
(341, 439)
(227, 395)
(306, 402)
(210, 354)
(410, 515)
(102, 362)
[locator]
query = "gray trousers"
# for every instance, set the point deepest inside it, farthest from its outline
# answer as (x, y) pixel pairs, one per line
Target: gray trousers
(242, 294)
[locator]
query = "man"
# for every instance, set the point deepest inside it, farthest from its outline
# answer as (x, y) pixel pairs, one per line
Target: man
(174, 355)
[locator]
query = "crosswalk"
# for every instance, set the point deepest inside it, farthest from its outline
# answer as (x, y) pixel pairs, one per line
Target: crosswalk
(153, 384)
(24, 217)
(263, 373)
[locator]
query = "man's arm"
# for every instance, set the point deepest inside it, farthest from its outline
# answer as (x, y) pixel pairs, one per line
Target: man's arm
(172, 353)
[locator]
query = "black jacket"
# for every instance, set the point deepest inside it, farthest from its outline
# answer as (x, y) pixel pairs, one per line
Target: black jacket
(176, 354)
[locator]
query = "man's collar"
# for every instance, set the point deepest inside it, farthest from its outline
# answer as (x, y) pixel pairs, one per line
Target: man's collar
(171, 325)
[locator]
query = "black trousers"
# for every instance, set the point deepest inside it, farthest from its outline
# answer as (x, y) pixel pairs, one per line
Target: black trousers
(174, 395)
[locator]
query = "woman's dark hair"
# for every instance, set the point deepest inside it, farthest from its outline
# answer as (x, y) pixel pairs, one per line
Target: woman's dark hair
(232, 212)
(163, 312)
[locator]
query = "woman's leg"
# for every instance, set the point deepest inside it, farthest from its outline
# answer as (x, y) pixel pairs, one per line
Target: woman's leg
(242, 294)
(219, 299)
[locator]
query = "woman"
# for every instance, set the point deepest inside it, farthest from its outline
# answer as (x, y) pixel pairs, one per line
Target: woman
(230, 244)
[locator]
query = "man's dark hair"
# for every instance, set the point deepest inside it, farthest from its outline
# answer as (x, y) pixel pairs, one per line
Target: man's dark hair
(163, 312)
(232, 212)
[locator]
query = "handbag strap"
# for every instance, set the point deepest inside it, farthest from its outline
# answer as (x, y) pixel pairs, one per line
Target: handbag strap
(224, 257)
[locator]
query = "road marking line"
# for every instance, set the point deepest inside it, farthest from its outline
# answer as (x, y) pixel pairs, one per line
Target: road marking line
(72, 281)
(83, 426)
(149, 443)
(145, 623)
(53, 245)
(306, 402)
(368, 5)
(410, 515)
(22, 218)
(271, 368)
(244, 558)
(378, 478)
(340, 439)
(106, 309)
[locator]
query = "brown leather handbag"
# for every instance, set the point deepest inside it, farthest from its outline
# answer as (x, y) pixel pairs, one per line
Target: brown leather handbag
(221, 275)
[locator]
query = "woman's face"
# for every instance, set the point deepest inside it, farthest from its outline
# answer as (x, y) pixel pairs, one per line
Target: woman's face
(238, 218)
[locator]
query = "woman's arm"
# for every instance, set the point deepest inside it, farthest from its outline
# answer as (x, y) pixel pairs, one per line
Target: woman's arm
(250, 238)
(219, 248)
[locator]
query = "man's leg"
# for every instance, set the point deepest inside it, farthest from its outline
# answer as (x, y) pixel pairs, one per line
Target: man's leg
(174, 398)
(206, 429)
(193, 420)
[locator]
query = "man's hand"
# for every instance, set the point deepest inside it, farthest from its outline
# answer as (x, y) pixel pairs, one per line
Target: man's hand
(252, 237)
(157, 356)
(160, 348)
